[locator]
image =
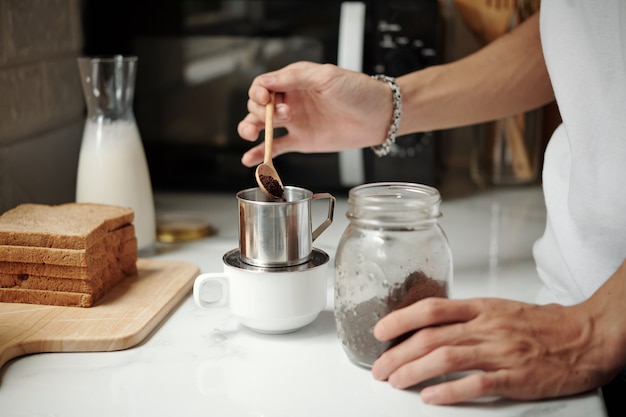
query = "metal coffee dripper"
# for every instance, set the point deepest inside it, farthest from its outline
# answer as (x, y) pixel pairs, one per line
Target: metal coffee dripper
(279, 233)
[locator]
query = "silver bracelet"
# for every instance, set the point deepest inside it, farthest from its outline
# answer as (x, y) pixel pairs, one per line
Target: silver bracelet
(385, 147)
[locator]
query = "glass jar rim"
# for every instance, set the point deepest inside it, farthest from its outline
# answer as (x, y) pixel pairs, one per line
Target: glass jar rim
(396, 193)
(393, 204)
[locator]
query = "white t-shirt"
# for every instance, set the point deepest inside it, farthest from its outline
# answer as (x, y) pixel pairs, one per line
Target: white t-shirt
(584, 176)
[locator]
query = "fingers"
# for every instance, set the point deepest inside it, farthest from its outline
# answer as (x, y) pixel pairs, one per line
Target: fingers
(467, 388)
(403, 369)
(415, 347)
(250, 127)
(295, 76)
(447, 348)
(255, 155)
(434, 349)
(425, 313)
(523, 351)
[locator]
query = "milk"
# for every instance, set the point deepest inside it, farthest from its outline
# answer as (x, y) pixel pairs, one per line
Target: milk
(112, 169)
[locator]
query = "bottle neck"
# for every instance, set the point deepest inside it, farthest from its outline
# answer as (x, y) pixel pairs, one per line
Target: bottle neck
(108, 86)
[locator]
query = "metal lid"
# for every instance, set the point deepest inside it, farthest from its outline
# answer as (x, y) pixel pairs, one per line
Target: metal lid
(180, 228)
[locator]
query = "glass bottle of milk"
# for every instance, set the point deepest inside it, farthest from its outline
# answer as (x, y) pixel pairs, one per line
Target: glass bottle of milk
(112, 166)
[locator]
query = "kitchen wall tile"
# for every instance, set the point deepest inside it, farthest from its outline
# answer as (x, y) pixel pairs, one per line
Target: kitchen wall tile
(22, 101)
(64, 97)
(36, 29)
(41, 103)
(38, 97)
(41, 169)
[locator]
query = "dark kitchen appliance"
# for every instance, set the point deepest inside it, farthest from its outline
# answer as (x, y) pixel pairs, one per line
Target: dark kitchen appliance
(198, 58)
(402, 36)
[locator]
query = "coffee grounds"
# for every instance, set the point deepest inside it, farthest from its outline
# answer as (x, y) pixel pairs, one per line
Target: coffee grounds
(271, 185)
(415, 287)
(357, 323)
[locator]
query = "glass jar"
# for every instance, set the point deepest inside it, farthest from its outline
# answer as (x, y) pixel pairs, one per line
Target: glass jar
(392, 254)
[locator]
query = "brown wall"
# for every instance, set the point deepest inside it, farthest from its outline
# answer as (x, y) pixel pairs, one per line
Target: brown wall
(41, 104)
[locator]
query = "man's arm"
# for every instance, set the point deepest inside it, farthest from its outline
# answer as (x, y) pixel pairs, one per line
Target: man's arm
(506, 77)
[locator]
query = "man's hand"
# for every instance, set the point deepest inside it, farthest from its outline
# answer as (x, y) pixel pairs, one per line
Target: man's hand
(523, 351)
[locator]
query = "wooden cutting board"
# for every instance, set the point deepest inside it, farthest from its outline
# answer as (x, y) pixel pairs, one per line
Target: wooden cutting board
(120, 320)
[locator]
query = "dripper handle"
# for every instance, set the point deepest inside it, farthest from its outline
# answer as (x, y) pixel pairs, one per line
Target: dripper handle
(329, 218)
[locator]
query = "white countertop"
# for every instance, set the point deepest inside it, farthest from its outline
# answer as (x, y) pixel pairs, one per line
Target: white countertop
(203, 363)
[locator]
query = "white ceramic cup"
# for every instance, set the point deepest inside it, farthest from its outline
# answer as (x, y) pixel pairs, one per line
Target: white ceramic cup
(266, 300)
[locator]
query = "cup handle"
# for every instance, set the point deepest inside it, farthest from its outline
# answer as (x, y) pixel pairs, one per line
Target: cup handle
(329, 218)
(203, 279)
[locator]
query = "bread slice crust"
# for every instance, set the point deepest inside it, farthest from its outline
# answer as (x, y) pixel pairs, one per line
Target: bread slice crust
(55, 298)
(127, 257)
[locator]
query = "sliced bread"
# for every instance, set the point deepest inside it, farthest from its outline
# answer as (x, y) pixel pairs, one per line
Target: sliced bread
(115, 242)
(97, 285)
(65, 226)
(56, 298)
(127, 259)
(65, 255)
(34, 282)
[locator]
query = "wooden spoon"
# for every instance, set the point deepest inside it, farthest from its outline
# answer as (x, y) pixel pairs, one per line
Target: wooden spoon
(266, 175)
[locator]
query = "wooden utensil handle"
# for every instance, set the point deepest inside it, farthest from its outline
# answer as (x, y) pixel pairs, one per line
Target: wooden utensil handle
(269, 128)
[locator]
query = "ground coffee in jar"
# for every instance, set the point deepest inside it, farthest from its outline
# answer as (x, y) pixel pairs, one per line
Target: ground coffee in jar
(392, 254)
